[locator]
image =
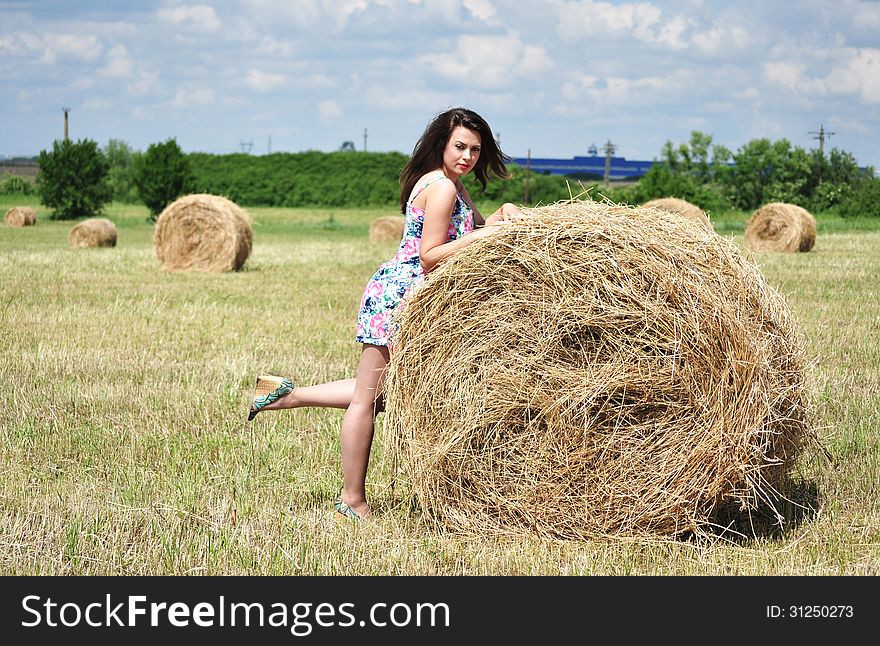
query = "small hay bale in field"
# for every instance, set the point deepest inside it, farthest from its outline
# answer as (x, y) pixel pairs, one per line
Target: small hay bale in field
(21, 216)
(94, 232)
(388, 227)
(682, 207)
(203, 232)
(779, 226)
(595, 370)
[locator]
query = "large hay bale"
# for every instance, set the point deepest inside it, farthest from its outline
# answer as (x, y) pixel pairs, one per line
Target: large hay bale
(779, 226)
(21, 216)
(682, 207)
(388, 227)
(595, 370)
(93, 232)
(203, 232)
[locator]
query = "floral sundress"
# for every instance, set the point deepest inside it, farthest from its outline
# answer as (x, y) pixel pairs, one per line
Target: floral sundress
(396, 277)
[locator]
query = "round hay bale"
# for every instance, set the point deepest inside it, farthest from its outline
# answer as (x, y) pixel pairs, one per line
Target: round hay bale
(21, 216)
(682, 207)
(203, 232)
(94, 232)
(779, 226)
(388, 227)
(594, 370)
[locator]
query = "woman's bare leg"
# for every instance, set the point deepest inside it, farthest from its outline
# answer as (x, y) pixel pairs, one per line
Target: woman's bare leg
(333, 394)
(358, 426)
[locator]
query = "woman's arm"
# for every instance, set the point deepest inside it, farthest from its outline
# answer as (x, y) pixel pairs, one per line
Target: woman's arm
(435, 246)
(504, 213)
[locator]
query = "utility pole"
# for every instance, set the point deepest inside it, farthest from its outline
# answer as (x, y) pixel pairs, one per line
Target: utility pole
(269, 146)
(365, 140)
(246, 146)
(609, 150)
(821, 136)
(66, 110)
(528, 172)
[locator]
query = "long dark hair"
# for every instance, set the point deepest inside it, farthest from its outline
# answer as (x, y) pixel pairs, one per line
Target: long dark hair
(427, 154)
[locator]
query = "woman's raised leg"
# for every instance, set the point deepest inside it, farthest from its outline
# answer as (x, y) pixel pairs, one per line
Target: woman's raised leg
(333, 394)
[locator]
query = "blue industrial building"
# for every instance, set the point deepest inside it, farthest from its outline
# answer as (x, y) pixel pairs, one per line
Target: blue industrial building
(592, 165)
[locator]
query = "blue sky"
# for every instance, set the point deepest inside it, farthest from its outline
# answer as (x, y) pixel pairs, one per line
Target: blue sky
(551, 77)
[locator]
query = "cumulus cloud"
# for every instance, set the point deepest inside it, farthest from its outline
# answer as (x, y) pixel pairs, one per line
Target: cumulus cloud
(193, 96)
(480, 9)
(200, 17)
(598, 91)
(489, 61)
(145, 83)
(648, 24)
(260, 81)
(58, 47)
(859, 75)
(329, 110)
(119, 63)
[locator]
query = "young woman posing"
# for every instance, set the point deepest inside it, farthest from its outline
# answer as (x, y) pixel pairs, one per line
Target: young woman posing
(440, 220)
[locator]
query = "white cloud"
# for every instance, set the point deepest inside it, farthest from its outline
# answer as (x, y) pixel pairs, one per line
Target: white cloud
(119, 64)
(97, 103)
(489, 61)
(59, 47)
(199, 17)
(329, 110)
(480, 9)
(722, 39)
(860, 75)
(602, 18)
(188, 97)
(596, 90)
(648, 24)
(144, 84)
(264, 81)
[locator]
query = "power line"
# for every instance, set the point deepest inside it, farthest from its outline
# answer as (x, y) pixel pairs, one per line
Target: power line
(609, 149)
(821, 135)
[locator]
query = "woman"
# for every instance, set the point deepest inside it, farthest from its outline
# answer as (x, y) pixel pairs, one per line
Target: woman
(440, 220)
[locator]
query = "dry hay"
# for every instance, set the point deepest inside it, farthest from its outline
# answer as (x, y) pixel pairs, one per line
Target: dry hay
(682, 207)
(21, 216)
(202, 232)
(94, 232)
(388, 227)
(779, 226)
(595, 370)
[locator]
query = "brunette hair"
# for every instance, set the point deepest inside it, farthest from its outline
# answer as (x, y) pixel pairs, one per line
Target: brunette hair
(427, 154)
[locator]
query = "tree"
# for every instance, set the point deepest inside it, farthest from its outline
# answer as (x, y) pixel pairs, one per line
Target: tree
(121, 176)
(162, 174)
(72, 179)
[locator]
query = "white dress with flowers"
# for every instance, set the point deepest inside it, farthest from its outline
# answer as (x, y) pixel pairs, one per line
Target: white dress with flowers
(398, 276)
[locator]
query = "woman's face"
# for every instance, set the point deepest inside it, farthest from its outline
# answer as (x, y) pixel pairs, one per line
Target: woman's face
(462, 152)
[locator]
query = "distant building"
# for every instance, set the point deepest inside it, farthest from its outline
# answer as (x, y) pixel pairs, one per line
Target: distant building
(592, 166)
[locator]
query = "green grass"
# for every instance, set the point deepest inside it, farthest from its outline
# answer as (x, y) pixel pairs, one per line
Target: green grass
(124, 387)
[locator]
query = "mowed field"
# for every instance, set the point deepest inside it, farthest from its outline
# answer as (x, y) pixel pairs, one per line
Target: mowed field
(124, 391)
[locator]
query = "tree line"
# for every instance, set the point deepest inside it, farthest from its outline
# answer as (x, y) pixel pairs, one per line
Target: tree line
(76, 179)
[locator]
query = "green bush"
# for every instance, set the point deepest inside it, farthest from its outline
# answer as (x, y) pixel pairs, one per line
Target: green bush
(862, 200)
(336, 179)
(72, 180)
(162, 174)
(15, 185)
(121, 175)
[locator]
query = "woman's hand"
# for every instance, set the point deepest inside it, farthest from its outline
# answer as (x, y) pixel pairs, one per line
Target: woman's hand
(507, 213)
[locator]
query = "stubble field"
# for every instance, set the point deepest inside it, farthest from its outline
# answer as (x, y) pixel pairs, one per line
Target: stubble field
(124, 389)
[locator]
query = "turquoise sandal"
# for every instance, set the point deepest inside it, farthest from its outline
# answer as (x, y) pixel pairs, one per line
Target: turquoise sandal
(347, 511)
(268, 389)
